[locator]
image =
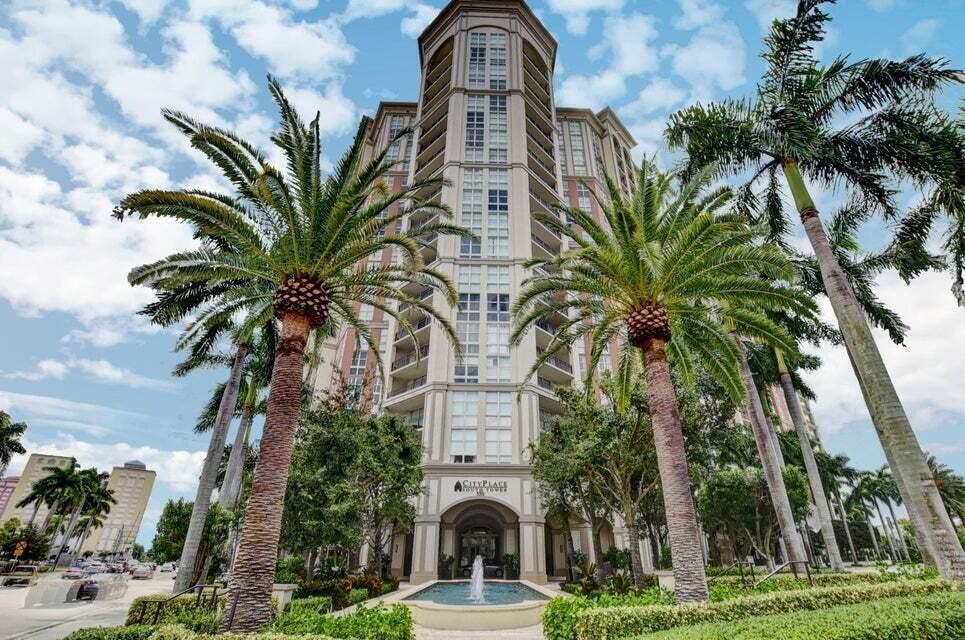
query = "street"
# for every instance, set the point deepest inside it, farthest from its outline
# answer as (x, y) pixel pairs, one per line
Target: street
(54, 623)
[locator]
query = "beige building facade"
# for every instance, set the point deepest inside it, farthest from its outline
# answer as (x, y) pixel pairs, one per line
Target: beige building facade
(38, 466)
(485, 120)
(132, 484)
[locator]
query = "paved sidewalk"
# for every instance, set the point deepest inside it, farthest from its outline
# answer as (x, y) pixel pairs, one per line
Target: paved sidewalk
(527, 633)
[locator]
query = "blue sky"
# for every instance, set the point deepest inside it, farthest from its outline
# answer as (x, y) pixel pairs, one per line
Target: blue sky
(84, 82)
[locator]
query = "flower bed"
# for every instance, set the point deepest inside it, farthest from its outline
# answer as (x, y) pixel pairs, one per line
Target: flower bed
(624, 621)
(937, 617)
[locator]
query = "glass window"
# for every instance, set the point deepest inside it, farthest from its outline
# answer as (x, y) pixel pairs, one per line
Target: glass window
(561, 148)
(477, 60)
(497, 352)
(475, 128)
(583, 198)
(366, 312)
(465, 420)
(471, 217)
(499, 434)
(466, 368)
(597, 156)
(497, 61)
(498, 213)
(576, 145)
(498, 129)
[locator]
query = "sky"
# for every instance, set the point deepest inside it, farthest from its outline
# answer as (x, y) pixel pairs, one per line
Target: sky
(84, 82)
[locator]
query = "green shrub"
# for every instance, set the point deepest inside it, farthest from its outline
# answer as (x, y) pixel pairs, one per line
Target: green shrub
(365, 623)
(573, 588)
(173, 632)
(620, 622)
(172, 611)
(317, 604)
(336, 589)
(356, 596)
(289, 570)
(559, 618)
(130, 632)
(936, 617)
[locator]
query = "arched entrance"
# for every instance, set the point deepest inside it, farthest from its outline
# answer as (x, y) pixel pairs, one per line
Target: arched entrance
(480, 527)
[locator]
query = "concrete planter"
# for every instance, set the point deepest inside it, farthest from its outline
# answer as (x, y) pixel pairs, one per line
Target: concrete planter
(284, 593)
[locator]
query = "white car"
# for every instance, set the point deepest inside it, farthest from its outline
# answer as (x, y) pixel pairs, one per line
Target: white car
(142, 572)
(167, 567)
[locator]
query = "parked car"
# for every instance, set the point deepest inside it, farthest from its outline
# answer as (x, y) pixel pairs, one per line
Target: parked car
(23, 575)
(167, 567)
(74, 573)
(142, 572)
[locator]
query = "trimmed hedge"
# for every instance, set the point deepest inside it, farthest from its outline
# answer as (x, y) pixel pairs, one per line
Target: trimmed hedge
(172, 610)
(365, 623)
(316, 604)
(177, 632)
(356, 596)
(936, 617)
(621, 622)
(130, 632)
(559, 618)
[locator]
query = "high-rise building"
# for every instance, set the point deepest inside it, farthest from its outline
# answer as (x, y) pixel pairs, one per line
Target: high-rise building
(485, 120)
(7, 486)
(132, 485)
(38, 466)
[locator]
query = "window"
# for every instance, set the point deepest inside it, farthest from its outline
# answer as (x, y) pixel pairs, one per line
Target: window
(465, 420)
(583, 198)
(356, 370)
(497, 61)
(477, 60)
(497, 352)
(499, 434)
(415, 417)
(497, 295)
(467, 325)
(545, 419)
(475, 128)
(472, 188)
(366, 312)
(498, 208)
(576, 144)
(498, 128)
(561, 147)
(597, 156)
(395, 126)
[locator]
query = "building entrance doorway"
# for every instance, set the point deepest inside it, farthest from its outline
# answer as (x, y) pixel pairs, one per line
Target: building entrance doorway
(479, 527)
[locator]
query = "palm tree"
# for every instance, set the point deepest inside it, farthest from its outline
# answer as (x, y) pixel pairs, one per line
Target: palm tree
(835, 470)
(300, 242)
(10, 435)
(855, 123)
(90, 482)
(96, 509)
(666, 271)
(52, 490)
(857, 504)
(951, 487)
(888, 493)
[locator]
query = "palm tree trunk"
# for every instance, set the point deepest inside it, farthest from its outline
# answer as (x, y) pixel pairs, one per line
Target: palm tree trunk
(254, 571)
(69, 532)
(933, 527)
(685, 547)
(793, 544)
(636, 562)
(847, 527)
(900, 535)
(892, 551)
(231, 486)
(811, 466)
(33, 515)
(874, 538)
(49, 516)
(209, 472)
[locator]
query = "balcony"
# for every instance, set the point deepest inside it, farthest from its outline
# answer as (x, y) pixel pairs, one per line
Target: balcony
(555, 369)
(421, 295)
(546, 247)
(411, 364)
(418, 329)
(426, 169)
(548, 236)
(403, 387)
(541, 151)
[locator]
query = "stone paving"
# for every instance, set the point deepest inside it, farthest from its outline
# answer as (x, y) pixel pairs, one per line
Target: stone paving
(527, 633)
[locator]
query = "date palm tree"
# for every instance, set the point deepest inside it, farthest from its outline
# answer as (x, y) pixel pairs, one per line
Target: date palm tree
(667, 272)
(857, 123)
(299, 242)
(11, 434)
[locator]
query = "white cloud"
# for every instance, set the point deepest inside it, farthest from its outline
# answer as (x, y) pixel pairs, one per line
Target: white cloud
(881, 5)
(944, 448)
(659, 95)
(767, 11)
(57, 411)
(926, 371)
(697, 13)
(919, 35)
(415, 24)
(101, 370)
(577, 12)
(147, 10)
(371, 8)
(20, 137)
(712, 59)
(629, 48)
(338, 113)
(179, 469)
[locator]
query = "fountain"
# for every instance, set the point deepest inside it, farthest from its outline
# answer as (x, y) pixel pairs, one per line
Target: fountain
(476, 584)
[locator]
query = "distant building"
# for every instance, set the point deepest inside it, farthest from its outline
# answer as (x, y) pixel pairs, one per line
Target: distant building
(7, 485)
(36, 468)
(132, 485)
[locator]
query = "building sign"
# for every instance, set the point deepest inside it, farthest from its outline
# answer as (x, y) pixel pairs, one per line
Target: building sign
(481, 487)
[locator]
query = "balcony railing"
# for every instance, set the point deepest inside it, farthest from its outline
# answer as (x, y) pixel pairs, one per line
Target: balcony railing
(409, 386)
(423, 322)
(556, 361)
(546, 246)
(422, 295)
(546, 326)
(546, 384)
(411, 357)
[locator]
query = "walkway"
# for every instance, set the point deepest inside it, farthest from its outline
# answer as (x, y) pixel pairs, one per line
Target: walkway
(528, 633)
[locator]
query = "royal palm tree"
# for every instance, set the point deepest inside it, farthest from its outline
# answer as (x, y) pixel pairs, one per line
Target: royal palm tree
(90, 483)
(888, 493)
(300, 242)
(862, 490)
(52, 490)
(667, 272)
(857, 123)
(11, 433)
(951, 487)
(96, 509)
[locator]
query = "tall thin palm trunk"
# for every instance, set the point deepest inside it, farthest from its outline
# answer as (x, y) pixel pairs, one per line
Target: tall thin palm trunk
(686, 551)
(69, 532)
(793, 544)
(231, 485)
(810, 466)
(847, 527)
(209, 471)
(33, 514)
(254, 570)
(892, 551)
(933, 527)
(873, 533)
(898, 532)
(54, 508)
